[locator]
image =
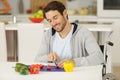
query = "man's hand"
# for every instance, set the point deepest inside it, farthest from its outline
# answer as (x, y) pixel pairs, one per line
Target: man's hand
(53, 57)
(60, 64)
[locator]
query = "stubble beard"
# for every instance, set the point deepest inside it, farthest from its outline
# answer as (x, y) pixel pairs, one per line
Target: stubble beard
(63, 26)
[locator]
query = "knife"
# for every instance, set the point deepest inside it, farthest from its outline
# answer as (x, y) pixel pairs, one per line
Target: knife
(55, 63)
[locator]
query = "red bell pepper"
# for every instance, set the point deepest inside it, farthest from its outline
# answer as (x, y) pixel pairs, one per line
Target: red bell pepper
(34, 69)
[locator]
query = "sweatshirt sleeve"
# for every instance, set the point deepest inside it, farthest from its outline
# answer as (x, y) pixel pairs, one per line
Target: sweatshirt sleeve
(92, 49)
(43, 50)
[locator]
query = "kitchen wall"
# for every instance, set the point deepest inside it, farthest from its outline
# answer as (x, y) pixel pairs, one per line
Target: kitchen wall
(71, 4)
(77, 4)
(15, 5)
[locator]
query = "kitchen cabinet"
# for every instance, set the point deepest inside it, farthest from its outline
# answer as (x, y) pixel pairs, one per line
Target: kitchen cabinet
(115, 50)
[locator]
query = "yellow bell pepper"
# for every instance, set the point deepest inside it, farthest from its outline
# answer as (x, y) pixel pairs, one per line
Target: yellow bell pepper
(68, 66)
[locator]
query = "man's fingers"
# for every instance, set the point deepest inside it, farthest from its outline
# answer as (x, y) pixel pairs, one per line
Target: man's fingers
(60, 64)
(49, 57)
(53, 57)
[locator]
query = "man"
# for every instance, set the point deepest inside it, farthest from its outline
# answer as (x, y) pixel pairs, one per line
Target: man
(67, 41)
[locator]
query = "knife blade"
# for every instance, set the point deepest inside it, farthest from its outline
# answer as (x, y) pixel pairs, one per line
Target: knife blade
(55, 63)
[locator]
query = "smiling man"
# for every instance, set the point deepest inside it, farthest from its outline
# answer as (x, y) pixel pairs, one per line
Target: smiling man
(67, 41)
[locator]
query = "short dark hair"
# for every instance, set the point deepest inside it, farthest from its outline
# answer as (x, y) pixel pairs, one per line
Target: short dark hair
(54, 5)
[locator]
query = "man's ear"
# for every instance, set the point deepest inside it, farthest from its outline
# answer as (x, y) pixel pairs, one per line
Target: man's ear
(65, 13)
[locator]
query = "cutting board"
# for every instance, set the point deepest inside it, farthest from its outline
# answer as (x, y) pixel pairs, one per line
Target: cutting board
(35, 4)
(53, 69)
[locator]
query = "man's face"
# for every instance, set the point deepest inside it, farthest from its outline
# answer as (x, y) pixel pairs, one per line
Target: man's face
(56, 20)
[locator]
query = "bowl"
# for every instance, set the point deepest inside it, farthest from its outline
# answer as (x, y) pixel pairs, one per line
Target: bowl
(36, 20)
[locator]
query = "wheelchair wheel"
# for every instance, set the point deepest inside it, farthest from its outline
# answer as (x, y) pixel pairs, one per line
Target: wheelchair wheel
(109, 76)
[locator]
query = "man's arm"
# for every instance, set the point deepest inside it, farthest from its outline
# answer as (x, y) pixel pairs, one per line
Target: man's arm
(95, 56)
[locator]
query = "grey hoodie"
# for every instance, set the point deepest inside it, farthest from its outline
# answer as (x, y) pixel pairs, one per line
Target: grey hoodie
(85, 50)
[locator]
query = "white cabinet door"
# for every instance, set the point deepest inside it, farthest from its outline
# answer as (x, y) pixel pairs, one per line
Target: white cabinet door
(3, 49)
(29, 39)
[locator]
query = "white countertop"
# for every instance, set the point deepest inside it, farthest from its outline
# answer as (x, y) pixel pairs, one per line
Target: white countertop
(98, 27)
(91, 27)
(7, 72)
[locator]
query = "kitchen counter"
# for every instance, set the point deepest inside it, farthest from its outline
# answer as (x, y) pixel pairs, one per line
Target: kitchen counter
(7, 72)
(91, 27)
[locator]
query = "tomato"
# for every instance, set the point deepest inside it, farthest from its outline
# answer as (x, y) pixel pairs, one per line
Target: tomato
(68, 66)
(41, 66)
(48, 67)
(57, 67)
